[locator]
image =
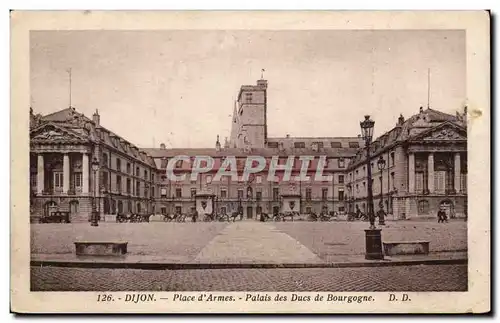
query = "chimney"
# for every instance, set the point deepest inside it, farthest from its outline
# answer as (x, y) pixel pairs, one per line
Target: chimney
(217, 144)
(262, 83)
(162, 146)
(96, 118)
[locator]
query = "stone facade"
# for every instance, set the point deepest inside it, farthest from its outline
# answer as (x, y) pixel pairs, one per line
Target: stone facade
(426, 168)
(62, 148)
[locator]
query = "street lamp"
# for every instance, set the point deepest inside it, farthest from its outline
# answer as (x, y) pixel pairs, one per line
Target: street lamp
(373, 235)
(381, 166)
(94, 215)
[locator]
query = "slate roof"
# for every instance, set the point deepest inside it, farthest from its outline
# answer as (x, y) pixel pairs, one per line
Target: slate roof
(401, 133)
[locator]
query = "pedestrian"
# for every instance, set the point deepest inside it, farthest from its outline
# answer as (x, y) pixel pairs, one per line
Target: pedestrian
(442, 216)
(381, 214)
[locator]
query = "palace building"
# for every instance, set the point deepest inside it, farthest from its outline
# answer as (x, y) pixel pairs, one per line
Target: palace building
(426, 167)
(63, 146)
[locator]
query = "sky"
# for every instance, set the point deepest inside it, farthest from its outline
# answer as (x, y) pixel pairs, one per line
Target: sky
(178, 87)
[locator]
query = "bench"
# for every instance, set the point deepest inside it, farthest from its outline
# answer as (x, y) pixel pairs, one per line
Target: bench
(100, 248)
(392, 248)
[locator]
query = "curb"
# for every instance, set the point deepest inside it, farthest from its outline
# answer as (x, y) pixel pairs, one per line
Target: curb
(188, 266)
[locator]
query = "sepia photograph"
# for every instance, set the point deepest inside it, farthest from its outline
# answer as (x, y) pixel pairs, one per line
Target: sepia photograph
(254, 165)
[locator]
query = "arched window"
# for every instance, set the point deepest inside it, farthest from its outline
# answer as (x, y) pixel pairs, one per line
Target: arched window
(423, 207)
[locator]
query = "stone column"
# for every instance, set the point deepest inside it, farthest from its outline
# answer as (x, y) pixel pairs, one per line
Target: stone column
(430, 173)
(40, 181)
(85, 173)
(411, 173)
(65, 173)
(457, 172)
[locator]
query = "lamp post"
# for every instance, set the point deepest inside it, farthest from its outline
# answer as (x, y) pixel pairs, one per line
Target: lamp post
(373, 235)
(381, 167)
(94, 215)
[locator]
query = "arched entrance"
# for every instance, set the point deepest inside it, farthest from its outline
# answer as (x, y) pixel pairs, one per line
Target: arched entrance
(48, 207)
(73, 208)
(138, 208)
(448, 206)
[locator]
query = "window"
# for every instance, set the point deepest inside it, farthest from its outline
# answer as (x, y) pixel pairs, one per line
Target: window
(353, 144)
(145, 174)
(152, 177)
(341, 179)
(208, 179)
(392, 159)
(249, 193)
(223, 210)
(336, 144)
(58, 179)
(463, 182)
(118, 164)
(193, 193)
(439, 181)
(178, 192)
(129, 185)
(419, 182)
(423, 207)
(299, 144)
(258, 196)
(324, 194)
(308, 210)
(163, 210)
(341, 209)
(118, 183)
(341, 162)
(33, 180)
(137, 171)
(259, 209)
(276, 193)
(104, 180)
(392, 181)
(258, 179)
(248, 97)
(272, 144)
(357, 188)
(178, 209)
(319, 144)
(129, 169)
(341, 194)
(153, 191)
(163, 192)
(77, 179)
(105, 159)
(240, 194)
(308, 194)
(223, 194)
(138, 188)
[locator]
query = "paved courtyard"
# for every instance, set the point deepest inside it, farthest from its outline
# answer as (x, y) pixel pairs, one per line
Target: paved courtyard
(274, 242)
(405, 278)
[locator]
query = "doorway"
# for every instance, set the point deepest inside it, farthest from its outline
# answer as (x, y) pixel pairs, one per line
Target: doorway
(249, 212)
(73, 208)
